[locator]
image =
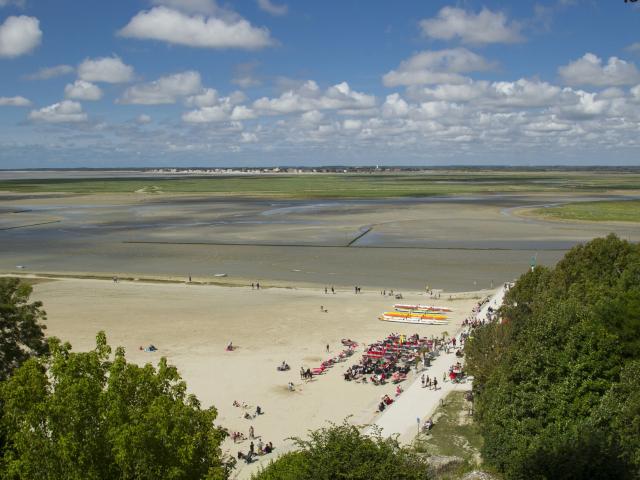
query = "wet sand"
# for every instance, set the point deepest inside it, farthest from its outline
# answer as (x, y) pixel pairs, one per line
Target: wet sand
(456, 243)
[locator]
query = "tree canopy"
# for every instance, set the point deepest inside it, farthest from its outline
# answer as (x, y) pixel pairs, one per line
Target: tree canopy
(21, 333)
(557, 381)
(83, 416)
(343, 452)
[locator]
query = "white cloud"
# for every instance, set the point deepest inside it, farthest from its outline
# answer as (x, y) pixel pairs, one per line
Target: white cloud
(215, 113)
(66, 111)
(17, 101)
(634, 47)
(312, 117)
(19, 35)
(242, 112)
(217, 109)
(310, 97)
(436, 66)
(51, 72)
(207, 98)
(143, 119)
(482, 28)
(82, 90)
(17, 3)
(585, 105)
(172, 26)
(189, 6)
(105, 69)
(352, 124)
(248, 137)
(589, 70)
(164, 90)
(270, 7)
(395, 106)
(522, 93)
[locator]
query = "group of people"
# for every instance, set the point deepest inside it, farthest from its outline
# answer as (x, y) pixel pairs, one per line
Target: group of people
(456, 373)
(255, 285)
(326, 290)
(388, 359)
(247, 415)
(262, 449)
(308, 373)
(428, 382)
(385, 401)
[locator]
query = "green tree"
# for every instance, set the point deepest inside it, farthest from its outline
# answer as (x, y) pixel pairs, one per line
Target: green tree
(555, 395)
(82, 416)
(342, 452)
(21, 333)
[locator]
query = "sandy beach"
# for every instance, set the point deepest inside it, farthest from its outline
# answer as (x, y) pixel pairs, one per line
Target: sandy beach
(191, 326)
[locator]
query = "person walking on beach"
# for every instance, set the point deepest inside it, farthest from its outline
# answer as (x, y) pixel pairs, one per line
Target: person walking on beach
(251, 432)
(258, 286)
(435, 384)
(327, 348)
(333, 290)
(423, 380)
(325, 290)
(253, 286)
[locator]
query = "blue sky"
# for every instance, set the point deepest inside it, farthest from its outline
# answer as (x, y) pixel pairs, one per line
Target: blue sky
(273, 82)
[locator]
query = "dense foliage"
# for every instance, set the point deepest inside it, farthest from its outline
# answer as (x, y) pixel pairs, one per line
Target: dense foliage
(84, 416)
(342, 452)
(21, 333)
(558, 381)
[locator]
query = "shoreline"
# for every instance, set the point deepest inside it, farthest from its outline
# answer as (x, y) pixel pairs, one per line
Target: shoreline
(234, 282)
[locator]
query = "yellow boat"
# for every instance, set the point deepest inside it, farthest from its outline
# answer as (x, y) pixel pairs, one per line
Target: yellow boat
(424, 316)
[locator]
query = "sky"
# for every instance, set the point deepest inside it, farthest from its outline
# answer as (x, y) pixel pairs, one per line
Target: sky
(334, 82)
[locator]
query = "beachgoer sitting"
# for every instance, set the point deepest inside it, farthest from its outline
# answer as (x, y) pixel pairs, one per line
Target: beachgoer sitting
(283, 367)
(428, 425)
(230, 347)
(291, 387)
(258, 410)
(268, 448)
(398, 390)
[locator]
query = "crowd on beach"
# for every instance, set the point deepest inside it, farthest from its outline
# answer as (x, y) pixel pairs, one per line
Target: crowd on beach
(259, 448)
(309, 373)
(392, 358)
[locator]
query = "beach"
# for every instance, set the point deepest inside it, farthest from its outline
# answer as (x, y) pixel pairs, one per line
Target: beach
(192, 324)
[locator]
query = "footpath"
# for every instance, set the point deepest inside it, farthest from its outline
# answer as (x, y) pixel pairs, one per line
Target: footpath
(416, 404)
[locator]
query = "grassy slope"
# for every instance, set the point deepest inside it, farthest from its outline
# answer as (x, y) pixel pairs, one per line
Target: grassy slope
(453, 433)
(344, 186)
(624, 211)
